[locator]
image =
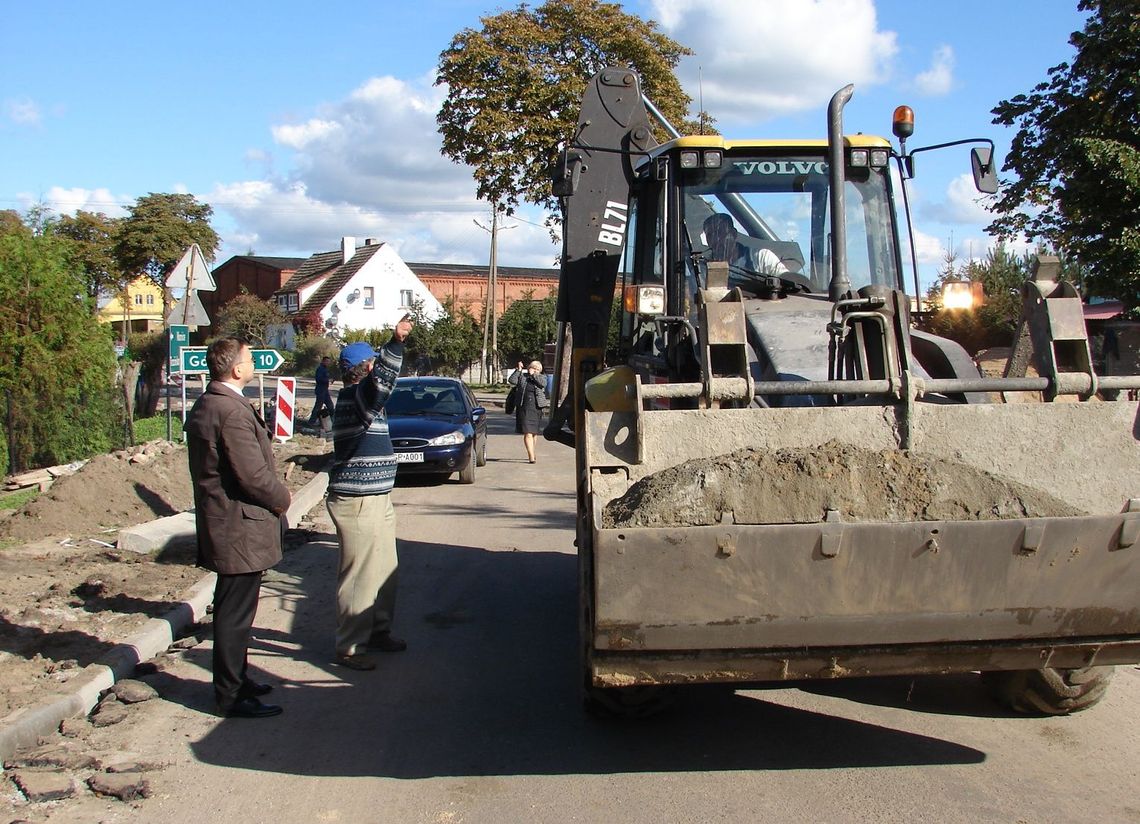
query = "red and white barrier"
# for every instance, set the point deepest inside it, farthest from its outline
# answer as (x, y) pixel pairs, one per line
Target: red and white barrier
(286, 405)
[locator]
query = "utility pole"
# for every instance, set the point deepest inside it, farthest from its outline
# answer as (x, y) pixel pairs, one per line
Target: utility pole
(488, 364)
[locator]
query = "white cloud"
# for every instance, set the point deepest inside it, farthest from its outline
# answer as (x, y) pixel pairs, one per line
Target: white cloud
(964, 204)
(306, 134)
(939, 78)
(759, 59)
(23, 112)
(379, 149)
(928, 248)
(370, 166)
(68, 201)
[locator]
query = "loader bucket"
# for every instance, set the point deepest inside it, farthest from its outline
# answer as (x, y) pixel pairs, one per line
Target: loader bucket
(838, 594)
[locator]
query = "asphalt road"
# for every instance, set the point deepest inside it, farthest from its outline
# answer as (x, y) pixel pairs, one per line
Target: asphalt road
(479, 720)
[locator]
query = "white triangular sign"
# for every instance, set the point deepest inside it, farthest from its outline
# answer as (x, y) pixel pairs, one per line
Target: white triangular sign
(191, 272)
(189, 311)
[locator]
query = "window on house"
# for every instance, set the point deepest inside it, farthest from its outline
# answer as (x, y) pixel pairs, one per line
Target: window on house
(369, 297)
(138, 300)
(150, 300)
(405, 298)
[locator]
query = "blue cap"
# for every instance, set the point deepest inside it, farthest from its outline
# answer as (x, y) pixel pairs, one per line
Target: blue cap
(355, 353)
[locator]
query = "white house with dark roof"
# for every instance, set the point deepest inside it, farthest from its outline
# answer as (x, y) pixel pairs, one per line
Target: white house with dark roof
(368, 287)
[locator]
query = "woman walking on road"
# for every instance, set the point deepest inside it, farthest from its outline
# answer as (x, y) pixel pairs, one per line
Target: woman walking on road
(531, 403)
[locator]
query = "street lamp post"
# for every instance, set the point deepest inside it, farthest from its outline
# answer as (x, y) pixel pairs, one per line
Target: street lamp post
(490, 320)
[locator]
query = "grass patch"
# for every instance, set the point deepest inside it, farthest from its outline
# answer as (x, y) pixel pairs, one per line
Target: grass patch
(15, 500)
(154, 429)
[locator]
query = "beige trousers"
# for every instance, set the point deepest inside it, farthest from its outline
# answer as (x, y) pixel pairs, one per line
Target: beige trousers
(366, 578)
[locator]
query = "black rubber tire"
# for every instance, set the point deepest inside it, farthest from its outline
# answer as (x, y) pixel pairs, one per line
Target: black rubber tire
(628, 702)
(467, 473)
(1049, 691)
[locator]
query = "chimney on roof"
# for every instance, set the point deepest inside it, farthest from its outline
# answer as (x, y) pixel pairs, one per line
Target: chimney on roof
(347, 249)
(371, 241)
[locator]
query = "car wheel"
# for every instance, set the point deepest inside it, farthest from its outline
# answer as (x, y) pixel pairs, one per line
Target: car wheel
(482, 451)
(467, 473)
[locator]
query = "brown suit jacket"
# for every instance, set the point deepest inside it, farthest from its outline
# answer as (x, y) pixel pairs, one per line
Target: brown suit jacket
(237, 493)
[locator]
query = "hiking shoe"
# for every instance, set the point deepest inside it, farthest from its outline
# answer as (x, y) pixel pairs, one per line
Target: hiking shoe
(384, 642)
(359, 661)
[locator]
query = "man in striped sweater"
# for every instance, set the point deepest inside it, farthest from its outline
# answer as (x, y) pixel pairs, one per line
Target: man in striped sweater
(362, 475)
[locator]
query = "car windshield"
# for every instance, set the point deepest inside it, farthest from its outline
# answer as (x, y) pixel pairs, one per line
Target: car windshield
(425, 399)
(771, 215)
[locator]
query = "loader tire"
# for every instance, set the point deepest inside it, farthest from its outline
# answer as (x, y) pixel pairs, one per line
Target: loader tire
(628, 702)
(1049, 691)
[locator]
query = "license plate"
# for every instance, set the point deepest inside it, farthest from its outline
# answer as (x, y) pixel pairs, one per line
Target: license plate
(409, 457)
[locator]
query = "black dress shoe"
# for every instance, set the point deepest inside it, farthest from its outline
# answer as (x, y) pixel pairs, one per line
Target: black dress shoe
(252, 689)
(251, 708)
(384, 642)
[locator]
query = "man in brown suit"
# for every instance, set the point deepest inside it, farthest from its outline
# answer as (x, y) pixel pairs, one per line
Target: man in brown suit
(238, 503)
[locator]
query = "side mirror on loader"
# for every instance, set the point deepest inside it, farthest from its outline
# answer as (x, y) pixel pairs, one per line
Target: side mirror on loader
(565, 173)
(982, 164)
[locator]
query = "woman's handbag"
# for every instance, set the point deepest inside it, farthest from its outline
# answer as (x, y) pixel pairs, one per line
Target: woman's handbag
(512, 400)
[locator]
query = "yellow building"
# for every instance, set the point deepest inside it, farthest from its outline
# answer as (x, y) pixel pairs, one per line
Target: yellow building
(138, 309)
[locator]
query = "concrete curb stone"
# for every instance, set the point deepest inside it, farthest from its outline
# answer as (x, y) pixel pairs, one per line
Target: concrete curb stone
(26, 725)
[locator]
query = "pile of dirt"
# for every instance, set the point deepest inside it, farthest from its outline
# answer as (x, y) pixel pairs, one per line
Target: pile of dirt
(67, 594)
(133, 486)
(790, 486)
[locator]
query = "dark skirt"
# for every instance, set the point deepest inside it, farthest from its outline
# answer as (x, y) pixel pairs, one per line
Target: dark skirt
(528, 420)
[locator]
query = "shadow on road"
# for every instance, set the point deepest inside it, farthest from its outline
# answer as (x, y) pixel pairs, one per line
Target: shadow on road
(488, 687)
(956, 694)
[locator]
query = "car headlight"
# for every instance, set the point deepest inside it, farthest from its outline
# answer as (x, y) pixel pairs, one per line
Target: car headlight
(447, 440)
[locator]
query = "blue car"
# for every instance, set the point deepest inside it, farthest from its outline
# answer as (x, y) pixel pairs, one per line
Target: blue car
(437, 427)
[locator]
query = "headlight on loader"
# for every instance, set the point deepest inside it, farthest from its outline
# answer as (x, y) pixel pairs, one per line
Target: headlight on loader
(957, 294)
(644, 300)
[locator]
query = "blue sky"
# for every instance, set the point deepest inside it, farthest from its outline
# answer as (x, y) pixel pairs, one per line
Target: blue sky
(302, 122)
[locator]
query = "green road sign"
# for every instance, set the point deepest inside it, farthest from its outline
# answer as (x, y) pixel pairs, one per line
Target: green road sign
(266, 360)
(193, 360)
(178, 337)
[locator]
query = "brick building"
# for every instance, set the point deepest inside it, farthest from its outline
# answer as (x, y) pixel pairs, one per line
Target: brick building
(466, 284)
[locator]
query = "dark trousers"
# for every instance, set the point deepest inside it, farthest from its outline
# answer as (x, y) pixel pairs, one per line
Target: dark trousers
(235, 605)
(323, 401)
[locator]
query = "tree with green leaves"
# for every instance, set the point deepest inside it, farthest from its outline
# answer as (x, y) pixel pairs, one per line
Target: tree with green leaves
(158, 231)
(1076, 153)
(11, 221)
(444, 345)
(248, 317)
(150, 351)
(93, 240)
(153, 238)
(515, 85)
(57, 373)
(451, 342)
(525, 328)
